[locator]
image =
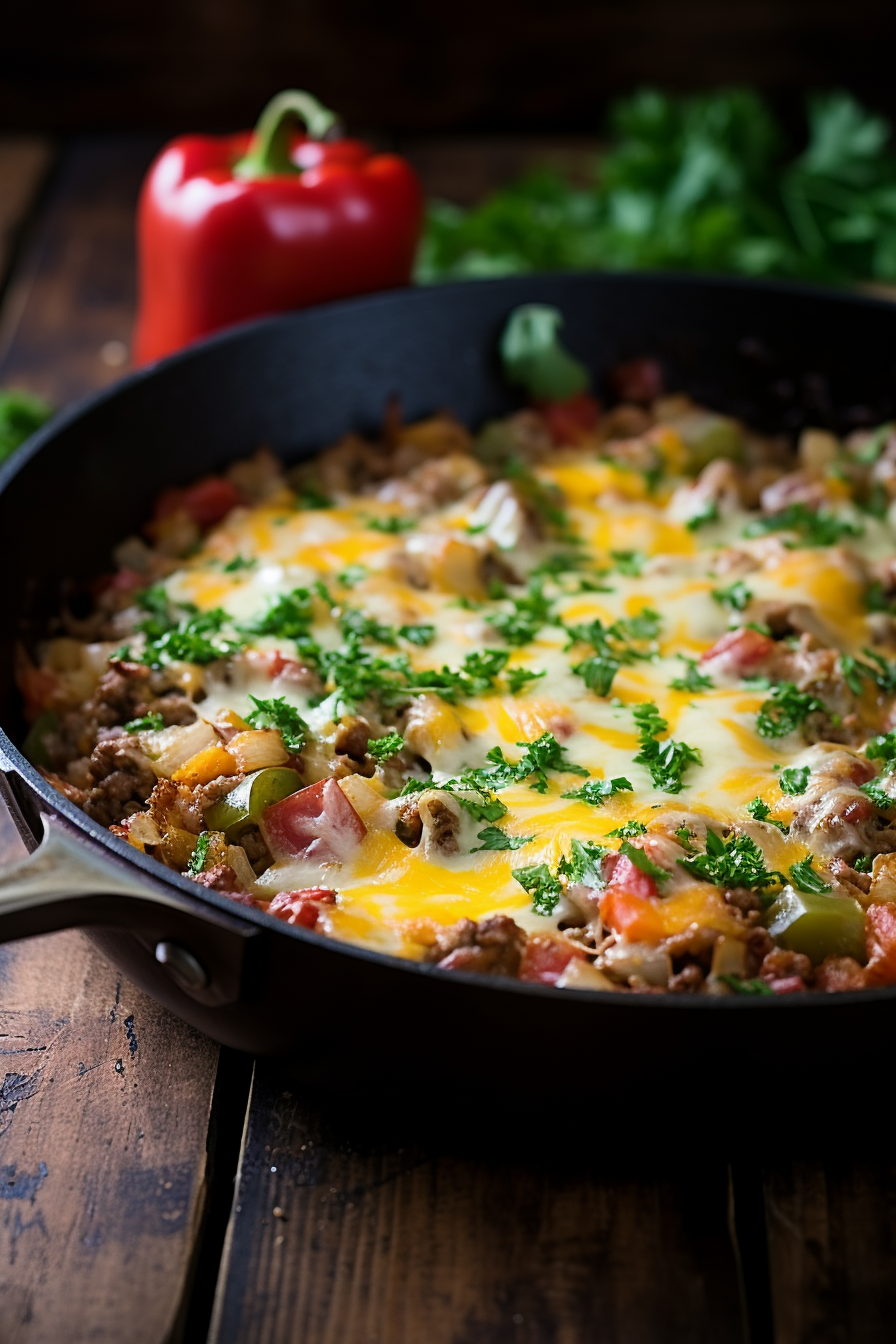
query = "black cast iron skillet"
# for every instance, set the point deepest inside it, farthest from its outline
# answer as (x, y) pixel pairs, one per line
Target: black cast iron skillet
(777, 356)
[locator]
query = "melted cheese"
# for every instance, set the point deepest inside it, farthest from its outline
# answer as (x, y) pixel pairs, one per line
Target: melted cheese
(387, 886)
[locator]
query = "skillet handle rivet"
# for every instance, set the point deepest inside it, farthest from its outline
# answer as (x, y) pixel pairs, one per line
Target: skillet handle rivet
(181, 965)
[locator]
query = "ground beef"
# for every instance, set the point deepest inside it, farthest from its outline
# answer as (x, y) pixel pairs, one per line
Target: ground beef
(220, 878)
(745, 901)
(688, 980)
(123, 779)
(779, 964)
(494, 946)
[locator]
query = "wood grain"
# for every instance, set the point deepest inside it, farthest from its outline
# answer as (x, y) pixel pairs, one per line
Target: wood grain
(66, 324)
(24, 160)
(832, 1245)
(354, 1225)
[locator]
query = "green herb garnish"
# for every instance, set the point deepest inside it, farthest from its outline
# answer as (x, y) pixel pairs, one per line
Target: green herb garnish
(542, 886)
(736, 597)
(785, 710)
(493, 837)
(279, 714)
(382, 749)
(597, 791)
(199, 856)
(794, 779)
(151, 722)
(666, 760)
(804, 877)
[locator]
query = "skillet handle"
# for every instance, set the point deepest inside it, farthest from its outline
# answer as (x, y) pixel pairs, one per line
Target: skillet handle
(63, 884)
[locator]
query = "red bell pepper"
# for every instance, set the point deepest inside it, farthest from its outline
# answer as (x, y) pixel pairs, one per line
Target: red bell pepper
(265, 221)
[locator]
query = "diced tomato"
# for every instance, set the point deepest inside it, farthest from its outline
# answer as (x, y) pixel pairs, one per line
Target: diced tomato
(207, 502)
(743, 650)
(638, 380)
(787, 984)
(316, 823)
(880, 943)
(637, 917)
(545, 959)
(619, 871)
(301, 907)
(572, 420)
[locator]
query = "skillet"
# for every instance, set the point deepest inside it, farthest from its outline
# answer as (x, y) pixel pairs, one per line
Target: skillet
(777, 356)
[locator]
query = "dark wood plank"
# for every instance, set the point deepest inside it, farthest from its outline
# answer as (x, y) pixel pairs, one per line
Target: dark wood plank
(105, 1097)
(66, 324)
(353, 1226)
(832, 1246)
(24, 160)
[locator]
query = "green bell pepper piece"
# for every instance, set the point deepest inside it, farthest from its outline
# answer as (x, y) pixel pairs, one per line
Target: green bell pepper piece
(244, 805)
(820, 926)
(34, 747)
(707, 436)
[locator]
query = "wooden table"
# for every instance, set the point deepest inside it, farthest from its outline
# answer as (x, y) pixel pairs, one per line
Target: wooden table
(155, 1187)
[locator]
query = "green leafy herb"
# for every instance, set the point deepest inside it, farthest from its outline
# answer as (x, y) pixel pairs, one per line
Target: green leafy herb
(351, 576)
(692, 679)
(629, 563)
(289, 617)
(736, 597)
(534, 358)
(597, 791)
(882, 748)
(881, 800)
(354, 622)
(392, 524)
(281, 715)
(628, 830)
(623, 642)
(804, 877)
(863, 864)
(518, 678)
(530, 612)
(542, 755)
(545, 498)
(310, 496)
(706, 514)
(666, 760)
(199, 856)
(195, 639)
(735, 862)
(761, 811)
(542, 886)
(384, 748)
(21, 415)
(583, 864)
(881, 672)
(420, 635)
(812, 527)
(785, 710)
(740, 986)
(640, 860)
(240, 562)
(494, 838)
(794, 779)
(151, 722)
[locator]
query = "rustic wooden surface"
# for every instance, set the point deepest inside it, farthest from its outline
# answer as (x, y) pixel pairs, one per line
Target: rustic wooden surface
(349, 1225)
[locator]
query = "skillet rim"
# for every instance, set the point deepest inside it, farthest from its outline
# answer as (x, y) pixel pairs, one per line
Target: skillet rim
(12, 757)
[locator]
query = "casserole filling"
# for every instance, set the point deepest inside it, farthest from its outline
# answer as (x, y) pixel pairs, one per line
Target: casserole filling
(595, 700)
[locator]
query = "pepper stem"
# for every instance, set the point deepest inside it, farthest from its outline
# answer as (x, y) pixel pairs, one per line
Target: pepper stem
(268, 153)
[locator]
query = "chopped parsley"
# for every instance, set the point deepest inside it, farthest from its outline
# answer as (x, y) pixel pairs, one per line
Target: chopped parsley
(541, 884)
(289, 617)
(351, 575)
(538, 757)
(794, 779)
(882, 748)
(354, 622)
(863, 864)
(384, 748)
(740, 986)
(813, 527)
(546, 499)
(628, 830)
(151, 722)
(881, 672)
(623, 642)
(493, 837)
(597, 791)
(707, 513)
(785, 710)
(804, 877)
(195, 639)
(881, 800)
(309, 496)
(692, 679)
(240, 562)
(640, 860)
(420, 635)
(629, 563)
(199, 856)
(736, 597)
(391, 525)
(529, 613)
(583, 863)
(518, 678)
(281, 715)
(666, 760)
(761, 811)
(735, 862)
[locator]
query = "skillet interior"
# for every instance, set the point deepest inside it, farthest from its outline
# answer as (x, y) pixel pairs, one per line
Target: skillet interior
(774, 356)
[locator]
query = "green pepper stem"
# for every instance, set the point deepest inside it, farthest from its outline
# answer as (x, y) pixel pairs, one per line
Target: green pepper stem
(268, 154)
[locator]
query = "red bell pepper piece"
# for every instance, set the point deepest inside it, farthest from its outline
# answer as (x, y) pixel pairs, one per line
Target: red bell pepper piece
(301, 907)
(233, 227)
(573, 420)
(545, 959)
(316, 823)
